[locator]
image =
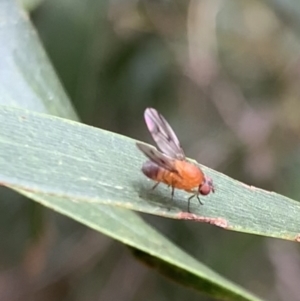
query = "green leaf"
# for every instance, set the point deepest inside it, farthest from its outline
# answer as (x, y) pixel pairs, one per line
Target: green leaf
(27, 78)
(30, 5)
(67, 159)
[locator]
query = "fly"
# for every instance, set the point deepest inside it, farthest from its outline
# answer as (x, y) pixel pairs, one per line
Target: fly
(168, 164)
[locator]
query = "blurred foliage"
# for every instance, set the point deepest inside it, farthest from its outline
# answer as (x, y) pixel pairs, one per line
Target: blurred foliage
(226, 76)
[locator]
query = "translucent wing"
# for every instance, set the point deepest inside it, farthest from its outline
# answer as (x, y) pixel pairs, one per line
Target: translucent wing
(163, 134)
(157, 157)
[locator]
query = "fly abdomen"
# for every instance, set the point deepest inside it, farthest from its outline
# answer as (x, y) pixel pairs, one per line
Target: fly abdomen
(151, 170)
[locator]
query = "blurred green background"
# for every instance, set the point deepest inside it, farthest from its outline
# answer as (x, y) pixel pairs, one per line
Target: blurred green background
(226, 75)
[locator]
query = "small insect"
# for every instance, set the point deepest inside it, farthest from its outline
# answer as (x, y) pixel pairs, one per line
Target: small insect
(169, 165)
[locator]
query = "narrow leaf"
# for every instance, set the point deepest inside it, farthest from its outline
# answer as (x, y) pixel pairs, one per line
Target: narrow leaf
(54, 156)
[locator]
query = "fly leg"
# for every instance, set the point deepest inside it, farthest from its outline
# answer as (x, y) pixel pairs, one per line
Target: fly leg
(189, 199)
(156, 184)
(172, 193)
(198, 198)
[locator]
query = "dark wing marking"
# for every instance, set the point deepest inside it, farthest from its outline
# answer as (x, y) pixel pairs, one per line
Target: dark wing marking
(163, 134)
(157, 157)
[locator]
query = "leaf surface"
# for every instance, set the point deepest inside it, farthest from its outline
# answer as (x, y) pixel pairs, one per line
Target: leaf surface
(54, 156)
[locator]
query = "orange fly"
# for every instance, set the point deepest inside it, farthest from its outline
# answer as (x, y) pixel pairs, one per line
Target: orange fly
(169, 165)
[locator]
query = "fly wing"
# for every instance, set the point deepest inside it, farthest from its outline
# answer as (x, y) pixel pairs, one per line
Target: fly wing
(157, 157)
(163, 134)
